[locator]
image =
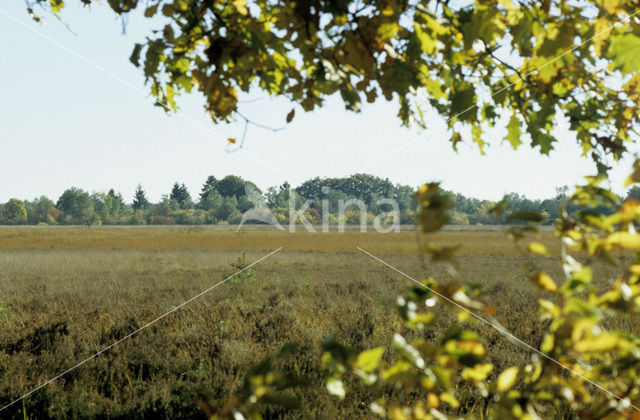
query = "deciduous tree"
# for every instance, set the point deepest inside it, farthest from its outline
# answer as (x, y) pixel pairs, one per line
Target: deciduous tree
(509, 62)
(39, 210)
(14, 212)
(76, 205)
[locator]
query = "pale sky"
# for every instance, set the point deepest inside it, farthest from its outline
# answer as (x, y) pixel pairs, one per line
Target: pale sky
(66, 123)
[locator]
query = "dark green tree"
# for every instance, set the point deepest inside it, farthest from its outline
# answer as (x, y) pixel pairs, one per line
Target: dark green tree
(116, 202)
(140, 201)
(211, 200)
(180, 195)
(211, 184)
(232, 185)
(278, 197)
(228, 207)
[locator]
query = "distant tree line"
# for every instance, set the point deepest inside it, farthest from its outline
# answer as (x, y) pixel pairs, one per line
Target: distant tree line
(223, 201)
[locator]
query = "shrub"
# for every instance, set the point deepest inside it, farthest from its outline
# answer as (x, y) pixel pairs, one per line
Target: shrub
(138, 218)
(188, 217)
(235, 217)
(459, 218)
(240, 272)
(210, 217)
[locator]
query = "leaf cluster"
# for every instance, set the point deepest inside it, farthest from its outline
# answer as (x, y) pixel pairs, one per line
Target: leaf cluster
(476, 64)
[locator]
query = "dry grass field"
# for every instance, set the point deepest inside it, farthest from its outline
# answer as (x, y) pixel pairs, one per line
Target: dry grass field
(66, 293)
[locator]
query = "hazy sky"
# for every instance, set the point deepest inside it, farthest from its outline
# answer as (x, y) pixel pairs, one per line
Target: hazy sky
(66, 123)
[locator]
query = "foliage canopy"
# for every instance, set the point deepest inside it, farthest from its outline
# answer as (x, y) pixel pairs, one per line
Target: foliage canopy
(476, 63)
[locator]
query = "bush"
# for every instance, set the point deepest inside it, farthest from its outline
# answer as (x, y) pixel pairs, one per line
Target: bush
(240, 272)
(138, 218)
(210, 217)
(458, 218)
(188, 217)
(235, 217)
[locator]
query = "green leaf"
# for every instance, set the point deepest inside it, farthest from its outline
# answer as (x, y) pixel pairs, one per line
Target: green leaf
(450, 399)
(463, 101)
(538, 248)
(182, 5)
(357, 55)
(544, 281)
(170, 97)
(477, 373)
(151, 10)
(168, 9)
(623, 240)
(559, 39)
(386, 31)
(418, 321)
(625, 52)
(241, 6)
(541, 139)
(514, 133)
(399, 371)
(455, 139)
(443, 375)
(634, 177)
(434, 206)
(56, 5)
(185, 82)
(427, 44)
(135, 55)
(603, 343)
(507, 379)
(476, 134)
(579, 279)
(368, 360)
(547, 343)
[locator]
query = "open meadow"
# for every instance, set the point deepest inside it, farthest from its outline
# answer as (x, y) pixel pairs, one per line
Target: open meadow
(66, 293)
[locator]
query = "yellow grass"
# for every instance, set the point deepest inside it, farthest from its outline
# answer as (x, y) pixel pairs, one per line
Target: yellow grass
(402, 243)
(66, 293)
